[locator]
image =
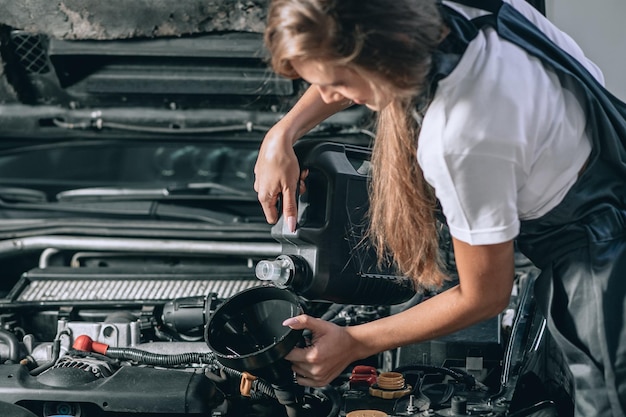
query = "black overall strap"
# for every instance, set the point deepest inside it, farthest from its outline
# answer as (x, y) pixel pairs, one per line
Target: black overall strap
(492, 6)
(447, 55)
(462, 32)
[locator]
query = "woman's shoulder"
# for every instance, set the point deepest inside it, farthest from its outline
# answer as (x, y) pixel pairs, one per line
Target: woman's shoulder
(496, 92)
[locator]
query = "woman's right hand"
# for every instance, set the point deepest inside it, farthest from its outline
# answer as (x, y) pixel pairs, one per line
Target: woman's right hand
(277, 174)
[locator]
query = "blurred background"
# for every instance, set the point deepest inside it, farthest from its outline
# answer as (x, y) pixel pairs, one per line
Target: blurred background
(599, 28)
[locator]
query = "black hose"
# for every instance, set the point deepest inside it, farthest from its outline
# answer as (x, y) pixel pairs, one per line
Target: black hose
(12, 343)
(457, 374)
(290, 397)
(339, 321)
(333, 397)
(56, 352)
(332, 311)
(156, 359)
(286, 395)
(260, 385)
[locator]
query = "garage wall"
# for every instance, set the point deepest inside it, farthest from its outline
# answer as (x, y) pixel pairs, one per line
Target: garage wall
(599, 27)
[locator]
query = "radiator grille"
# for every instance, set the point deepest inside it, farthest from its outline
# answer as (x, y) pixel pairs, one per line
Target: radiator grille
(127, 290)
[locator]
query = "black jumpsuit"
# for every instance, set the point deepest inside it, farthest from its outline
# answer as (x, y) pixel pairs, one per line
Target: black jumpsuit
(580, 245)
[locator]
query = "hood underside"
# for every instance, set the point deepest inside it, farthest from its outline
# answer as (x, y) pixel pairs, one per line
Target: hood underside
(86, 54)
(121, 19)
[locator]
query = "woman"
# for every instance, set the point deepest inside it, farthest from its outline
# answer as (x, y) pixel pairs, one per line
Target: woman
(499, 117)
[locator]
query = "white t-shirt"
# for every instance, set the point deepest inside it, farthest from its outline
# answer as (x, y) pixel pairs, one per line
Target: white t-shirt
(502, 140)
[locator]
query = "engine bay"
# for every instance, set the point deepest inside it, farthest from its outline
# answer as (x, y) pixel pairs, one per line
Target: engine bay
(97, 352)
(90, 331)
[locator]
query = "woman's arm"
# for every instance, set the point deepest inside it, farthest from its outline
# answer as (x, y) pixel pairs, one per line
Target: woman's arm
(277, 171)
(486, 275)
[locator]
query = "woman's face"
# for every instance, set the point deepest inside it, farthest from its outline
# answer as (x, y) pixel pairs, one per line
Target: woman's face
(337, 83)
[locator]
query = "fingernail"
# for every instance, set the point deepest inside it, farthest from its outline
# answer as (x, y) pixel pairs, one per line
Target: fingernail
(291, 223)
(290, 321)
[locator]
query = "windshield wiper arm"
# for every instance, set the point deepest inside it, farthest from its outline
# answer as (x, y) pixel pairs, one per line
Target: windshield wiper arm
(117, 193)
(204, 187)
(132, 208)
(22, 195)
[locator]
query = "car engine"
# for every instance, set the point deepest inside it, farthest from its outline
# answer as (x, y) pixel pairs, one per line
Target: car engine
(109, 332)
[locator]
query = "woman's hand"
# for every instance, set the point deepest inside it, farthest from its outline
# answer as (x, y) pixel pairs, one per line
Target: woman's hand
(330, 351)
(277, 174)
(276, 171)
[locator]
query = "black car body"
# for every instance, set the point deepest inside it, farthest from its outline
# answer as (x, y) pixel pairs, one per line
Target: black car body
(128, 219)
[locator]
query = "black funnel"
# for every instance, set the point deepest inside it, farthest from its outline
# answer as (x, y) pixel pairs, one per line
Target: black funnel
(246, 332)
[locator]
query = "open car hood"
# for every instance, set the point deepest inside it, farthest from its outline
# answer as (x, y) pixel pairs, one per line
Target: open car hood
(118, 19)
(170, 56)
(37, 66)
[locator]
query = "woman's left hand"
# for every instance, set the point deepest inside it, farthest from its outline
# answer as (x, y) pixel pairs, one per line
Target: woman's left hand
(329, 352)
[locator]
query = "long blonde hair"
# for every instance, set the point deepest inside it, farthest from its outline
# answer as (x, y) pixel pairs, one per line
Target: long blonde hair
(394, 42)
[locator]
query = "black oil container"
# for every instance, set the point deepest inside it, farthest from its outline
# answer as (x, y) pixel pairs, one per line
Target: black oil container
(327, 257)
